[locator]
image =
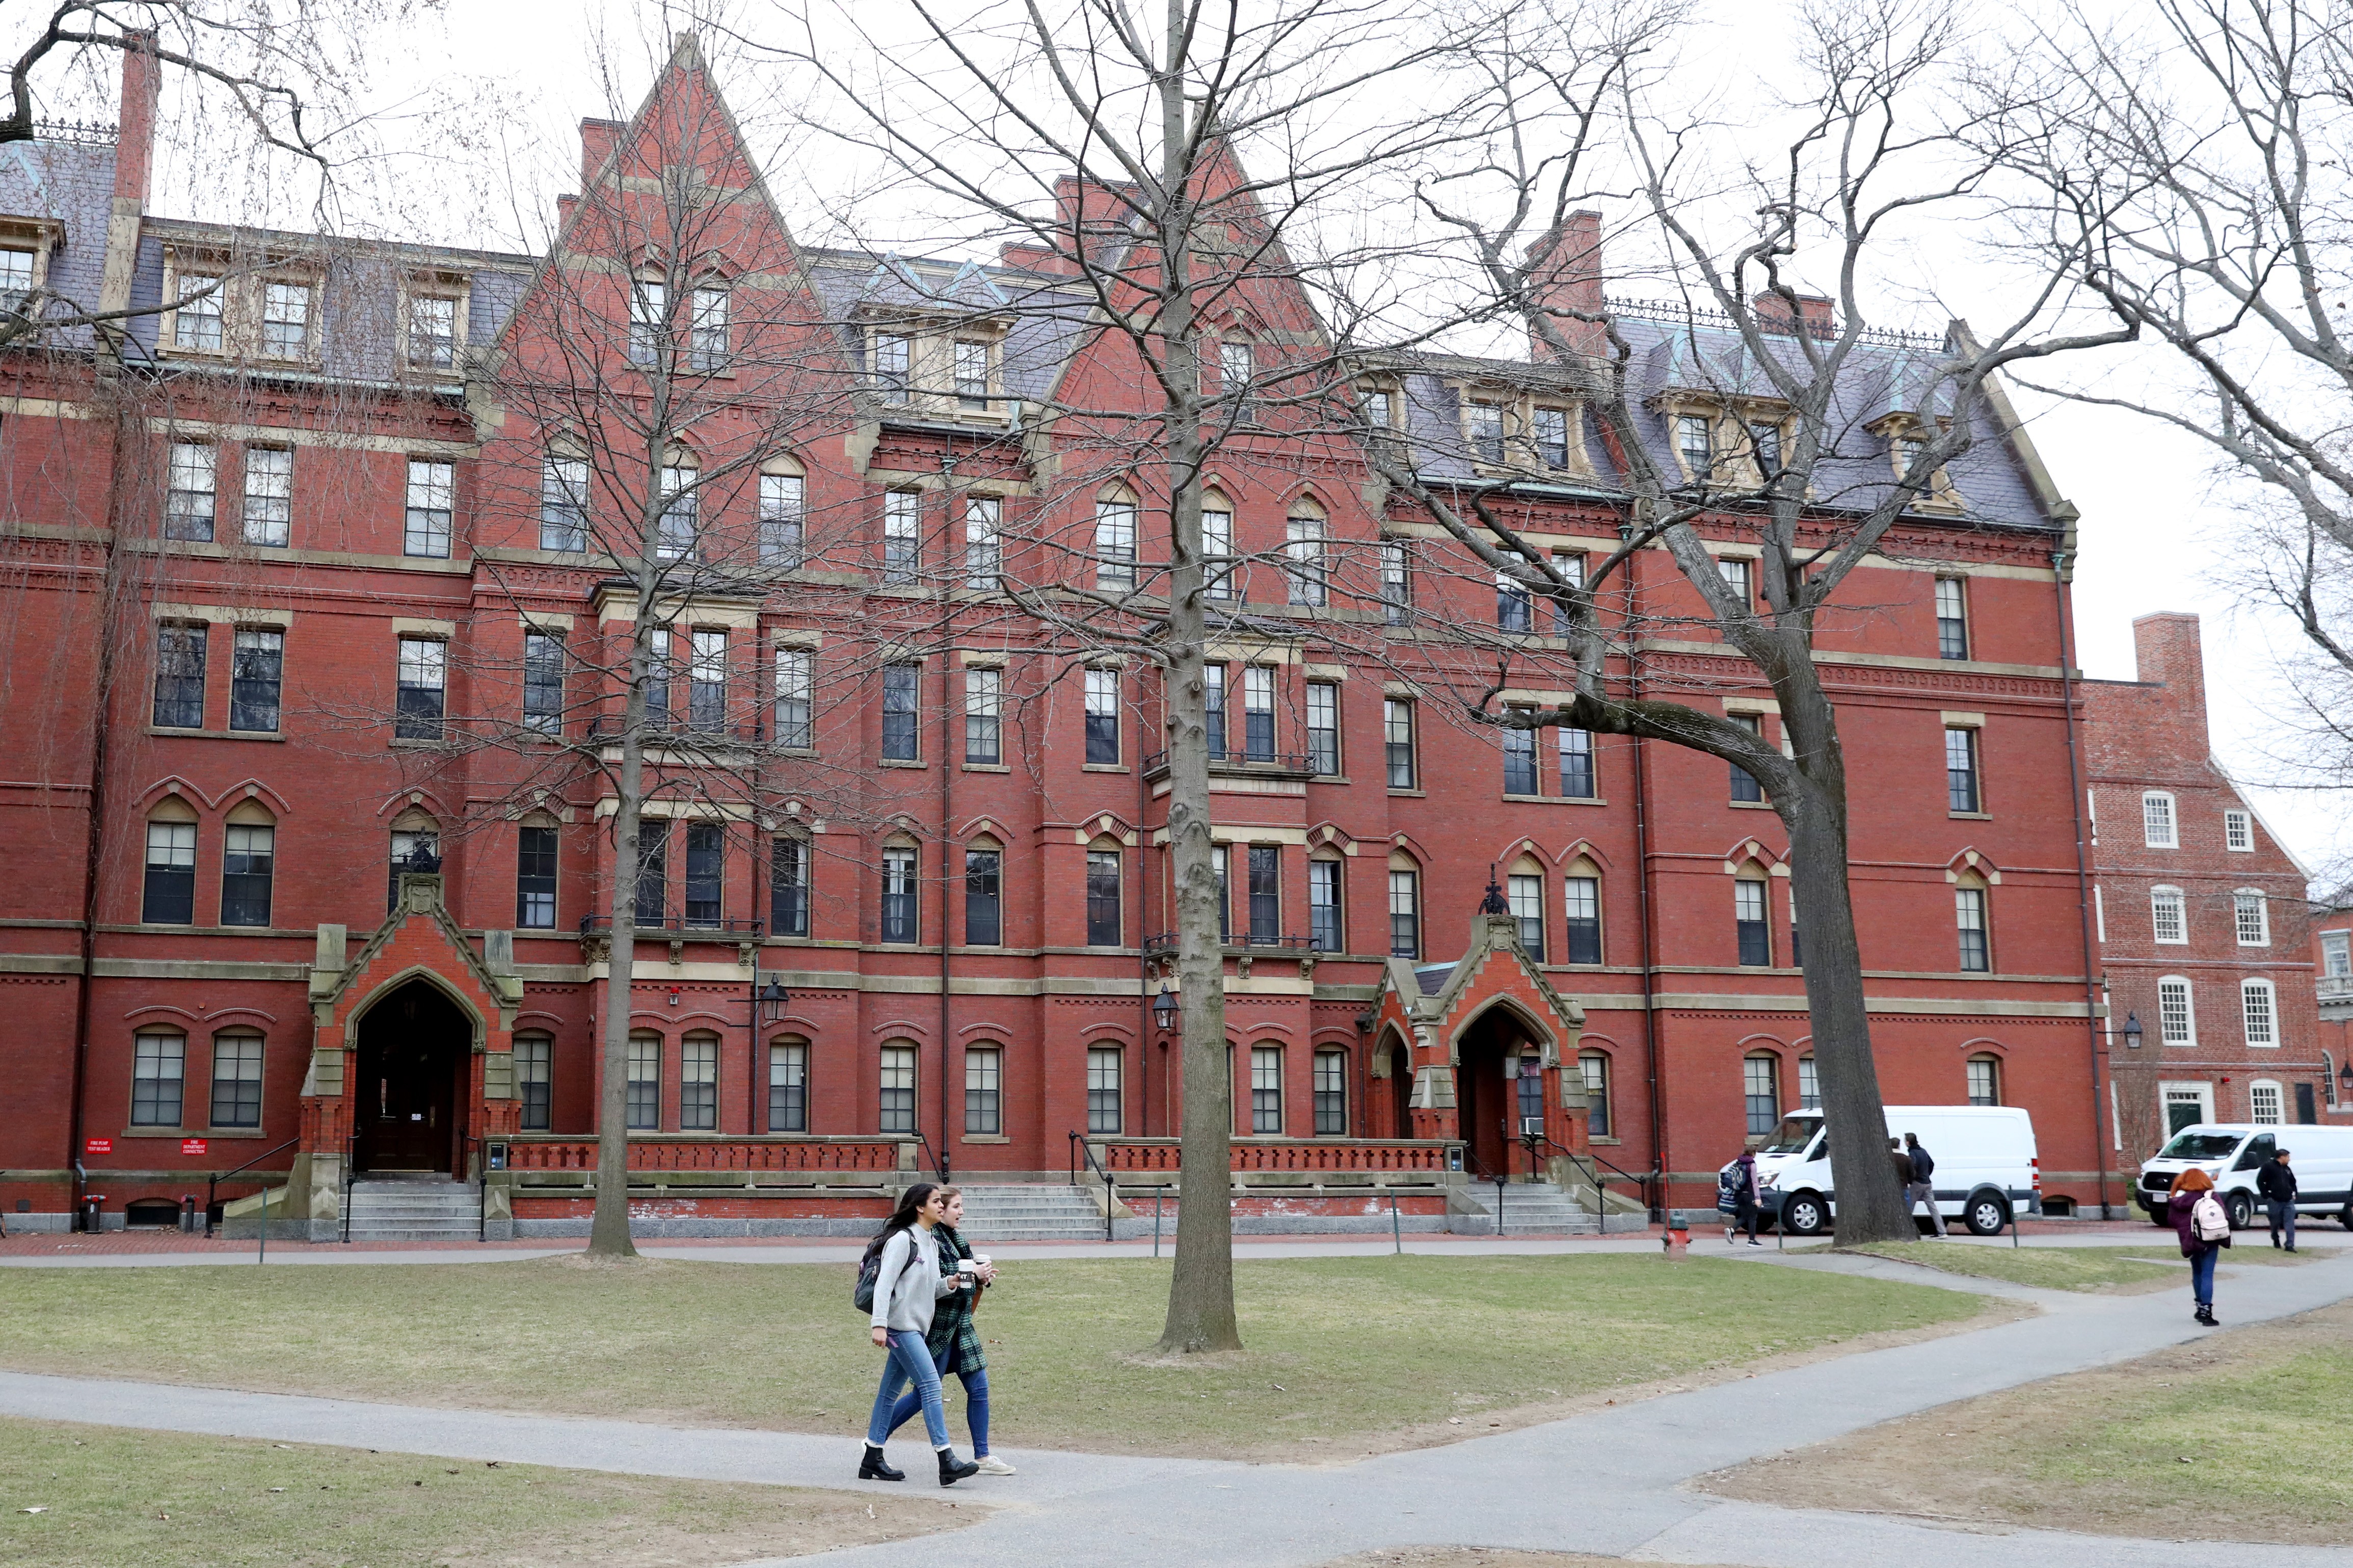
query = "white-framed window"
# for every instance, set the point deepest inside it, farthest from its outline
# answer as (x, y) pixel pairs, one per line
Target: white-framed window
(269, 494)
(2263, 1103)
(983, 555)
(196, 322)
(706, 331)
(431, 504)
(894, 354)
(1330, 1094)
(1266, 1089)
(1969, 917)
(1397, 582)
(2158, 830)
(984, 715)
(1302, 550)
(188, 500)
(795, 668)
(2238, 831)
(1237, 368)
(1550, 430)
(1952, 619)
(648, 319)
(1218, 573)
(2337, 953)
(1103, 1098)
(1526, 897)
(285, 320)
(1760, 1078)
(898, 1084)
(432, 332)
(783, 498)
(1115, 545)
(1324, 727)
(158, 1079)
(2168, 915)
(2177, 1017)
(533, 1066)
(563, 503)
(789, 1087)
(1594, 1068)
(422, 678)
(2250, 917)
(1695, 444)
(681, 513)
(1738, 576)
(972, 374)
(902, 515)
(1102, 717)
(2259, 1006)
(983, 1108)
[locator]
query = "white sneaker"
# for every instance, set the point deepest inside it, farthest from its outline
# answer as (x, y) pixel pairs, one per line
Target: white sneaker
(990, 1465)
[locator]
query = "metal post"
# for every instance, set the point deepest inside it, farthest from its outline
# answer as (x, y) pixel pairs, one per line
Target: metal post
(1159, 1195)
(1397, 1230)
(263, 1255)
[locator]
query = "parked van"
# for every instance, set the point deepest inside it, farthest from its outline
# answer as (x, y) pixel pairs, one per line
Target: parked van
(2233, 1152)
(1987, 1169)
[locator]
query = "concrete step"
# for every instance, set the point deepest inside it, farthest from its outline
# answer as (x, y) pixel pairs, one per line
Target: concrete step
(414, 1209)
(1035, 1212)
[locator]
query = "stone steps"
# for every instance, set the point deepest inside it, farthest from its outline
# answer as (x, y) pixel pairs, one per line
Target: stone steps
(1038, 1211)
(1529, 1208)
(413, 1209)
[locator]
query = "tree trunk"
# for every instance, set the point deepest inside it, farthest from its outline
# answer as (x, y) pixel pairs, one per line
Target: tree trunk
(609, 1232)
(1870, 1202)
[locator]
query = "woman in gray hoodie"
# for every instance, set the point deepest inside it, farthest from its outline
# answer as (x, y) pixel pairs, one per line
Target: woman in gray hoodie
(906, 1288)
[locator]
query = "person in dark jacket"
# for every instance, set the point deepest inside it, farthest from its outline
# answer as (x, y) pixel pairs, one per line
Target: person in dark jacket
(2190, 1188)
(2276, 1182)
(1745, 1210)
(1921, 1189)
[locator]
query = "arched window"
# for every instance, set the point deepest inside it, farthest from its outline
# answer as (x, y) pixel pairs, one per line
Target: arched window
(707, 332)
(788, 1066)
(1104, 1100)
(645, 1082)
(1116, 519)
(563, 498)
(984, 1100)
(1330, 1094)
(698, 1082)
(1220, 573)
(1810, 1085)
(1760, 1085)
(2259, 1005)
(1523, 891)
(1580, 888)
(1972, 921)
(1405, 906)
(248, 855)
(158, 1074)
(681, 503)
(1752, 923)
(1595, 1067)
(2177, 1018)
(168, 896)
(897, 1106)
(1266, 1089)
(788, 885)
(536, 843)
(1303, 533)
(1103, 893)
(899, 895)
(984, 892)
(416, 847)
(237, 1080)
(535, 1066)
(1985, 1079)
(1327, 925)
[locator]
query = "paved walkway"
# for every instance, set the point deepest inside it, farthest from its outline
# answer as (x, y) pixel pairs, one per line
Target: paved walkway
(1607, 1482)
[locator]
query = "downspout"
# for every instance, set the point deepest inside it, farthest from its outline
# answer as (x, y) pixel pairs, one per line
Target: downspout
(947, 821)
(2060, 559)
(1143, 963)
(1643, 897)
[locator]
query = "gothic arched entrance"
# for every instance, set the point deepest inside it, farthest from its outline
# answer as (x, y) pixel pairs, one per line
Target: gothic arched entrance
(1487, 1092)
(415, 1045)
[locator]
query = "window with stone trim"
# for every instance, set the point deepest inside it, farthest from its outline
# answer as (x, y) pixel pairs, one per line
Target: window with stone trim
(158, 1078)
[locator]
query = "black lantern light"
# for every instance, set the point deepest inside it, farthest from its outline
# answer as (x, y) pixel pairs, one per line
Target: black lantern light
(2345, 1077)
(1164, 1009)
(773, 1000)
(2132, 1031)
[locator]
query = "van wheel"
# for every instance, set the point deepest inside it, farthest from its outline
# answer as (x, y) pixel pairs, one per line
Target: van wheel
(2345, 1217)
(1985, 1214)
(1804, 1214)
(2164, 1221)
(2241, 1211)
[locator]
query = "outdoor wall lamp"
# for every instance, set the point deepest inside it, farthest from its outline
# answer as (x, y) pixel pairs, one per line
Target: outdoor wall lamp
(2345, 1075)
(773, 998)
(2132, 1031)
(1164, 1009)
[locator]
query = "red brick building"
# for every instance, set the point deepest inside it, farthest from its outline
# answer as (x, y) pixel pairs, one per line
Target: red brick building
(260, 556)
(2205, 929)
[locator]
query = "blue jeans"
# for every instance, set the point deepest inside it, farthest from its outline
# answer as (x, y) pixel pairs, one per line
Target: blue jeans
(911, 1361)
(2201, 1275)
(2283, 1217)
(975, 1408)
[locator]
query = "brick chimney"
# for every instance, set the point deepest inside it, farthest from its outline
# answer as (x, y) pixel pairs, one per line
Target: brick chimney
(597, 140)
(1816, 315)
(134, 162)
(1564, 274)
(2166, 651)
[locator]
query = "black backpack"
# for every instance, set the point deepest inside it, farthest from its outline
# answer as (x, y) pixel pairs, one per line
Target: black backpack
(870, 1270)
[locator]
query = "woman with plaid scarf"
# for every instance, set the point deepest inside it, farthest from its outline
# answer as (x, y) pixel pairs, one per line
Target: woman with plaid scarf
(955, 1341)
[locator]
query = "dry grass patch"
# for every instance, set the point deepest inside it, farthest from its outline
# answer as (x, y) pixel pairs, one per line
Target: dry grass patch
(2237, 1435)
(109, 1496)
(1345, 1356)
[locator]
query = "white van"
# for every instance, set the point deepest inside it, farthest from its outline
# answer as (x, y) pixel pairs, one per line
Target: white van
(1987, 1169)
(2233, 1152)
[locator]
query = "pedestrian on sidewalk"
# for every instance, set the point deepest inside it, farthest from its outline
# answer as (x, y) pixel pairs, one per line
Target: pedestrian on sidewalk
(908, 1285)
(954, 1341)
(2276, 1182)
(1920, 1189)
(1737, 1183)
(2197, 1218)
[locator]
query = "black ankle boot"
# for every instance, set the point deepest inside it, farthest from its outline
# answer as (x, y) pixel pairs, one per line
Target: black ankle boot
(874, 1469)
(952, 1469)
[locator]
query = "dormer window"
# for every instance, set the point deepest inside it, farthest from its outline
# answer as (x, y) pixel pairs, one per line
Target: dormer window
(197, 324)
(1485, 424)
(432, 332)
(18, 270)
(1551, 429)
(1764, 444)
(971, 375)
(285, 319)
(1695, 445)
(893, 365)
(1907, 443)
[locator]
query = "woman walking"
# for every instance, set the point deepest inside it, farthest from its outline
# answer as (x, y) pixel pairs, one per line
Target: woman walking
(1738, 1181)
(2197, 1218)
(907, 1286)
(955, 1341)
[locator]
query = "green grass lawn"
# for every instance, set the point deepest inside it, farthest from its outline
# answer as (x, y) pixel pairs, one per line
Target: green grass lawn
(107, 1497)
(2051, 1267)
(1364, 1351)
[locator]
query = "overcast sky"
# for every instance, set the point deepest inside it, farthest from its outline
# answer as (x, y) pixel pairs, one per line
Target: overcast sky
(2153, 536)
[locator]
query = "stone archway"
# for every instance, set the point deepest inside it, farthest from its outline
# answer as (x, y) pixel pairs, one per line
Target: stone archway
(1487, 1097)
(413, 1052)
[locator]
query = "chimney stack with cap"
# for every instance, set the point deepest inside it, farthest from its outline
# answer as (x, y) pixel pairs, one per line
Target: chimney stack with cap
(134, 159)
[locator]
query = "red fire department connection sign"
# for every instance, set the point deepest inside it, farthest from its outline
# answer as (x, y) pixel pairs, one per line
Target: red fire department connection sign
(98, 1146)
(192, 1145)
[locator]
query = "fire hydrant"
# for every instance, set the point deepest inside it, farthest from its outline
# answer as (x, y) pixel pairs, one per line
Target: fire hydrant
(1677, 1241)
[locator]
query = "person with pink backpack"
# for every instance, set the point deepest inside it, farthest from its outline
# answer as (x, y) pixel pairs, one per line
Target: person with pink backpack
(2205, 1229)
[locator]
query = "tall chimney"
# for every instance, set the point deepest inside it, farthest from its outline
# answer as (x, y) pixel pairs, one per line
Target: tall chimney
(2166, 651)
(598, 138)
(134, 159)
(1564, 274)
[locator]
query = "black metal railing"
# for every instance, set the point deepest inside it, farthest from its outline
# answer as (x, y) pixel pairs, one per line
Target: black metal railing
(675, 729)
(1300, 764)
(212, 1186)
(669, 922)
(939, 1163)
(1641, 1183)
(478, 1159)
(1083, 1155)
(351, 1174)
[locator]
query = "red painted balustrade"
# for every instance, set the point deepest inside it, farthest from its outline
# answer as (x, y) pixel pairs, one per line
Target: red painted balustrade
(529, 1153)
(1355, 1155)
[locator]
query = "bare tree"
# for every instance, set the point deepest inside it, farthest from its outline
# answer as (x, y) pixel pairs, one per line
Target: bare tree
(1109, 150)
(1761, 371)
(2191, 170)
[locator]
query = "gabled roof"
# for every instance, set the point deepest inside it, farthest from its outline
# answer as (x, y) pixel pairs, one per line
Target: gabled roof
(1438, 998)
